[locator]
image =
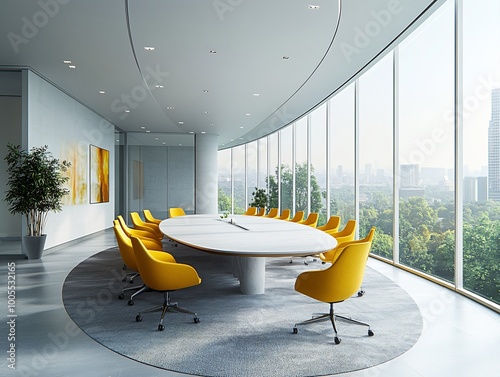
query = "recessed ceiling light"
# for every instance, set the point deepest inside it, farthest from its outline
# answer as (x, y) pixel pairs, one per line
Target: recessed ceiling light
(180, 144)
(67, 61)
(159, 86)
(149, 48)
(170, 107)
(102, 92)
(143, 128)
(248, 114)
(313, 6)
(213, 52)
(206, 112)
(211, 124)
(242, 127)
(205, 91)
(203, 132)
(72, 66)
(164, 143)
(156, 138)
(191, 132)
(148, 131)
(127, 111)
(181, 122)
(241, 138)
(286, 57)
(256, 94)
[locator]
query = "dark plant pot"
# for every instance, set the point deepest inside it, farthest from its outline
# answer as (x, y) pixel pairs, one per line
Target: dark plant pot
(33, 246)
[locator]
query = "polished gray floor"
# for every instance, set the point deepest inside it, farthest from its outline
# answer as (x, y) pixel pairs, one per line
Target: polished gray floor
(460, 337)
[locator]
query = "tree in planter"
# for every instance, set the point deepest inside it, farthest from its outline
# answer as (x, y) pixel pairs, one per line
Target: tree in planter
(259, 198)
(35, 185)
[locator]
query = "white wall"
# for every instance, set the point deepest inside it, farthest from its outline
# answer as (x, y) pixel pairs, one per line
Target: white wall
(10, 131)
(57, 120)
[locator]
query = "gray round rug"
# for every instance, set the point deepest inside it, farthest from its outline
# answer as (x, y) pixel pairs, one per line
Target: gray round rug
(240, 335)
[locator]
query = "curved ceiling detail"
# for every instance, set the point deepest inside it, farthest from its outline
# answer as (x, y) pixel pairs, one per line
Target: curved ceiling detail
(238, 69)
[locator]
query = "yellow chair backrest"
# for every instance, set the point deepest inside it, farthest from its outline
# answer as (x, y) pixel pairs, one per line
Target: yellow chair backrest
(331, 255)
(346, 234)
(273, 213)
(332, 225)
(162, 276)
(262, 211)
(339, 281)
(285, 214)
(125, 246)
(299, 216)
(176, 211)
(137, 232)
(150, 218)
(251, 211)
(312, 220)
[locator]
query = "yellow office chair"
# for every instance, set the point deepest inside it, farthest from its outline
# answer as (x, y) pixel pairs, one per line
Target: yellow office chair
(332, 225)
(149, 234)
(299, 216)
(251, 211)
(163, 277)
(331, 255)
(261, 212)
(148, 216)
(285, 215)
(176, 211)
(346, 234)
(335, 284)
(273, 213)
(312, 220)
(128, 258)
(142, 225)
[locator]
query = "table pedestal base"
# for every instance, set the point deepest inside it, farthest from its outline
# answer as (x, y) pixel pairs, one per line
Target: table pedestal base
(251, 272)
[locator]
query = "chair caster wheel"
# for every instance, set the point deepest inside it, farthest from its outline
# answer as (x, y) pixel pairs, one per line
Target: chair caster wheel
(295, 330)
(121, 296)
(161, 327)
(130, 302)
(337, 340)
(196, 320)
(361, 293)
(370, 333)
(138, 318)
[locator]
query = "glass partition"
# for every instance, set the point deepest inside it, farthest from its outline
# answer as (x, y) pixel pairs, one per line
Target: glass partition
(481, 148)
(376, 155)
(426, 145)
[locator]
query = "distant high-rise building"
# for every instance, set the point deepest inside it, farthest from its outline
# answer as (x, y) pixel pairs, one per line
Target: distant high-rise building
(494, 147)
(410, 181)
(409, 175)
(475, 189)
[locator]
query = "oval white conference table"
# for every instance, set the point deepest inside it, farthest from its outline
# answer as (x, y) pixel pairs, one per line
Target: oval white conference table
(248, 239)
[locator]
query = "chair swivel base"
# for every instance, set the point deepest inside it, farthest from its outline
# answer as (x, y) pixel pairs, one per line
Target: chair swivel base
(139, 288)
(167, 306)
(332, 317)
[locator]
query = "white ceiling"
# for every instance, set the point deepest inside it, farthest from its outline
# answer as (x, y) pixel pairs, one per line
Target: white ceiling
(106, 40)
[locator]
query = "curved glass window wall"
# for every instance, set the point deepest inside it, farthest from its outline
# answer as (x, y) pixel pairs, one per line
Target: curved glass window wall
(411, 147)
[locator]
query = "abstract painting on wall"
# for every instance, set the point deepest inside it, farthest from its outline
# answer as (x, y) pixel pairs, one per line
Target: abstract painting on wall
(77, 173)
(99, 175)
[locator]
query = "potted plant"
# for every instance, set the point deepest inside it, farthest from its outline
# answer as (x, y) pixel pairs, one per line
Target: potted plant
(259, 198)
(35, 187)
